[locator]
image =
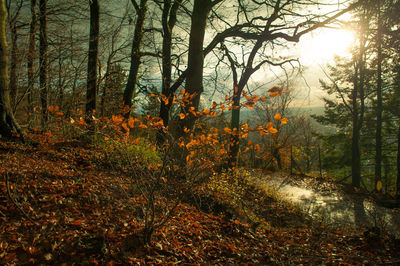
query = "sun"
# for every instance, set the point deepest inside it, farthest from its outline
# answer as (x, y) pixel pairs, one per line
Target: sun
(322, 46)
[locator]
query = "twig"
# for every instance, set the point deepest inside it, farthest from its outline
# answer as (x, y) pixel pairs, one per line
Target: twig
(15, 202)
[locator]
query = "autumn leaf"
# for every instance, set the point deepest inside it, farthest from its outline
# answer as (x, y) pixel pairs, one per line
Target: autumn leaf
(272, 130)
(130, 122)
(182, 115)
(379, 185)
(124, 126)
(277, 116)
(284, 120)
(77, 222)
(227, 130)
(275, 91)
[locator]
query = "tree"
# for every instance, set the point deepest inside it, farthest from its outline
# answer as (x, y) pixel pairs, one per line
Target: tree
(169, 18)
(194, 75)
(7, 120)
(14, 27)
(379, 108)
(268, 30)
(92, 61)
(31, 56)
(43, 59)
(135, 54)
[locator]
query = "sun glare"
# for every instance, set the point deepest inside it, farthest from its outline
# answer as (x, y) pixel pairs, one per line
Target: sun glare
(322, 46)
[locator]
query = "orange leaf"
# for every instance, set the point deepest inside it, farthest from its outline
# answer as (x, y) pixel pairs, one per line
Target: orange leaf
(227, 130)
(272, 130)
(284, 120)
(130, 122)
(77, 222)
(106, 138)
(277, 116)
(125, 126)
(182, 115)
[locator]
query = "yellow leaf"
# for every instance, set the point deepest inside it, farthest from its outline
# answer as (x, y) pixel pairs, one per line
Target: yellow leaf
(379, 185)
(277, 116)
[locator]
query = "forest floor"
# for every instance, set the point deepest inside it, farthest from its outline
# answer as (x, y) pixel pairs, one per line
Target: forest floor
(60, 206)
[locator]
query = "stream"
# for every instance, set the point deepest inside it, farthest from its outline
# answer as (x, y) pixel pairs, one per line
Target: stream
(333, 207)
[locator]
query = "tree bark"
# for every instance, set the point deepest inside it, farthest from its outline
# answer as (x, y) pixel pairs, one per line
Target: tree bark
(92, 60)
(135, 55)
(31, 56)
(355, 143)
(13, 67)
(43, 60)
(398, 165)
(194, 78)
(378, 136)
(168, 23)
(7, 120)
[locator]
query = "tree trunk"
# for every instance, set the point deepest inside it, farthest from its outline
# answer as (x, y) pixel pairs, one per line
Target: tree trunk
(358, 113)
(31, 56)
(43, 60)
(130, 89)
(194, 78)
(92, 60)
(168, 23)
(378, 136)
(398, 165)
(355, 144)
(7, 120)
(13, 68)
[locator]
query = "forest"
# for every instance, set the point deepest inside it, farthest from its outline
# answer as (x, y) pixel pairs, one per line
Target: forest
(171, 132)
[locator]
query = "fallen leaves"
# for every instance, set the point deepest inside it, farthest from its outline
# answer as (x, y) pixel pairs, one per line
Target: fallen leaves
(76, 199)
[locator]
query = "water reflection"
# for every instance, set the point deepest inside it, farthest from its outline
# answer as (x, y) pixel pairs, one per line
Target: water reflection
(334, 208)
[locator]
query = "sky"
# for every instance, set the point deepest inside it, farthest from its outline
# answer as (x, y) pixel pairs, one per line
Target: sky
(316, 51)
